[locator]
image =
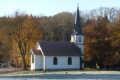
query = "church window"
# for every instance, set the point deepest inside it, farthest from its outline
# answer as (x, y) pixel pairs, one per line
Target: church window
(69, 61)
(32, 58)
(79, 39)
(55, 61)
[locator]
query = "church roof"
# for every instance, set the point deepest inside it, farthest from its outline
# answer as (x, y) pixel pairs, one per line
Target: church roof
(59, 48)
(36, 52)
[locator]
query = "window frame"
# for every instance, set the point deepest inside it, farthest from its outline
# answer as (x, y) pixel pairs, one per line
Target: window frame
(69, 61)
(55, 61)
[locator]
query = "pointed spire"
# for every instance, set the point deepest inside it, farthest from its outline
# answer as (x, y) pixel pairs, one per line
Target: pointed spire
(77, 26)
(77, 17)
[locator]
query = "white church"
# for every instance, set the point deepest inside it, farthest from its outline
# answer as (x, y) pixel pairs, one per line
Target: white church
(57, 55)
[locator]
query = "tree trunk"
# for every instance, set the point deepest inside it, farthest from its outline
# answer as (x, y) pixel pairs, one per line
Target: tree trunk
(24, 63)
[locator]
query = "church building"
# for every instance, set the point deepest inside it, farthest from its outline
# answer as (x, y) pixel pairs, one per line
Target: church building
(48, 55)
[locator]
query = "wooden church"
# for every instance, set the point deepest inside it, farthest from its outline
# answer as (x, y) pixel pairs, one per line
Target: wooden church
(57, 55)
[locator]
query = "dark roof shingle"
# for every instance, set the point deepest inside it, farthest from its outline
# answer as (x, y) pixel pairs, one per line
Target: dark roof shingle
(59, 48)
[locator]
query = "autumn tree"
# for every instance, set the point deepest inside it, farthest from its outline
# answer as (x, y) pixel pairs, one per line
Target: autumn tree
(22, 30)
(5, 43)
(98, 43)
(114, 28)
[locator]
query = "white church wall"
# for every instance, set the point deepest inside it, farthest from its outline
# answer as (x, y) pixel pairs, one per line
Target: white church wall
(77, 39)
(62, 63)
(44, 62)
(32, 64)
(80, 39)
(38, 62)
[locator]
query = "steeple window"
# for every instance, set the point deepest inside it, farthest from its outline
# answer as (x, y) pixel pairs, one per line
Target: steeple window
(79, 39)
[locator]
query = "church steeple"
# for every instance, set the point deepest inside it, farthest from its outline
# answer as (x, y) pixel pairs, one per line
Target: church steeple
(77, 37)
(77, 25)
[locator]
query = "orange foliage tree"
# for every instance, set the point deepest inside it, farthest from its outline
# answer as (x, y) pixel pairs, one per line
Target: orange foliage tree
(98, 43)
(24, 30)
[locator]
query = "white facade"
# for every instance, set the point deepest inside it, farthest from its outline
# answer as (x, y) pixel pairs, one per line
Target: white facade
(79, 41)
(62, 63)
(42, 62)
(46, 63)
(37, 63)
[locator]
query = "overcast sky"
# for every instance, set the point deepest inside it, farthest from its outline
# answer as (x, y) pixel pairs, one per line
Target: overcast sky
(52, 7)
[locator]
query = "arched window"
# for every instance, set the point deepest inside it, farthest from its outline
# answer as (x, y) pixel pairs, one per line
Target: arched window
(69, 61)
(55, 61)
(32, 58)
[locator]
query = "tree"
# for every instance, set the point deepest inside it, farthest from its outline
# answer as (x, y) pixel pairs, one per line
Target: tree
(5, 42)
(22, 30)
(57, 28)
(114, 28)
(63, 27)
(98, 43)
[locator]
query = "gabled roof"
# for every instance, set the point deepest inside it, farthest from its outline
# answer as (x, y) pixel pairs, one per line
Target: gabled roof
(37, 52)
(59, 48)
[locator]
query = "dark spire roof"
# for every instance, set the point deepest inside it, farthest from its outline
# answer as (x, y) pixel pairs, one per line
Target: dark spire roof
(77, 25)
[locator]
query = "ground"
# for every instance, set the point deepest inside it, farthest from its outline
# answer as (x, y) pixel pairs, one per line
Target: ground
(14, 71)
(8, 70)
(18, 74)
